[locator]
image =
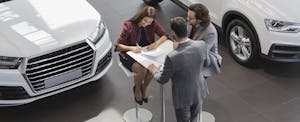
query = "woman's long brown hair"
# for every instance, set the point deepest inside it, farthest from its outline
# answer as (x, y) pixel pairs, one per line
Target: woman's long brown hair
(147, 11)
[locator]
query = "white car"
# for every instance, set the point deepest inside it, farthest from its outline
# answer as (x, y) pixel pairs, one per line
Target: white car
(49, 46)
(256, 28)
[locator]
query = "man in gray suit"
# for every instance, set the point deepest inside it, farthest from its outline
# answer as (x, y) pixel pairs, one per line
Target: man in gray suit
(184, 67)
(203, 29)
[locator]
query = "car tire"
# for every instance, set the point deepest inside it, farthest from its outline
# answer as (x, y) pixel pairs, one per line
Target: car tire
(243, 43)
(152, 2)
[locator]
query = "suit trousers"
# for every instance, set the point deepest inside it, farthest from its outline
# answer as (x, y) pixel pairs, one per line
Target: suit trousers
(188, 113)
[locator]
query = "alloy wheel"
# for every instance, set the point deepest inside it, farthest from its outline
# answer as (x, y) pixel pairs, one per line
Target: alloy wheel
(240, 43)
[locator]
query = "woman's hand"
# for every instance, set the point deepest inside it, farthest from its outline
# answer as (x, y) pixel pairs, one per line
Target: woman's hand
(136, 49)
(157, 43)
(152, 46)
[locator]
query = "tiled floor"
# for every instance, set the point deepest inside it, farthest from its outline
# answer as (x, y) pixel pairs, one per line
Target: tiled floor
(270, 93)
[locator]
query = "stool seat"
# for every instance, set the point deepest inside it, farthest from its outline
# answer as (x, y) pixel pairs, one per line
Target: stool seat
(126, 71)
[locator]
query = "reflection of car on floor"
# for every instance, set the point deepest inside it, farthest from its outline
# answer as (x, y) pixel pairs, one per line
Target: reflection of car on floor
(49, 46)
(152, 2)
(259, 28)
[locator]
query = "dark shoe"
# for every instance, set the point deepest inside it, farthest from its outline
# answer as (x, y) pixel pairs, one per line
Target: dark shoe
(145, 99)
(138, 102)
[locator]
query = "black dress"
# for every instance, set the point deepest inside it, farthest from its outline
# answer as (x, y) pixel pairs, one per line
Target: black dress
(142, 42)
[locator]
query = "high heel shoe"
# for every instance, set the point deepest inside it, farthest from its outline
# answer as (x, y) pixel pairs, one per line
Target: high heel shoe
(138, 102)
(145, 99)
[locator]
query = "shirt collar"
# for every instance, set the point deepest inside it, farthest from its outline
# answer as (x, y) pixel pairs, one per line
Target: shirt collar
(185, 41)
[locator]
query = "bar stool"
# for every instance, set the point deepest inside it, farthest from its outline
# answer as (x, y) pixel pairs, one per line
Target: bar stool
(136, 114)
(163, 103)
(206, 117)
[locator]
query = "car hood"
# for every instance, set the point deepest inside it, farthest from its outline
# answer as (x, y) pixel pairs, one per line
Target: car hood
(33, 27)
(287, 10)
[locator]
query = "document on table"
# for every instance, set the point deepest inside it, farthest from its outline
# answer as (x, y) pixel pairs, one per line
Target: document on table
(153, 53)
(143, 60)
(156, 56)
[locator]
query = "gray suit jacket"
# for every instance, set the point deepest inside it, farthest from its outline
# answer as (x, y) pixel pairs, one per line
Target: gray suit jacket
(210, 36)
(184, 66)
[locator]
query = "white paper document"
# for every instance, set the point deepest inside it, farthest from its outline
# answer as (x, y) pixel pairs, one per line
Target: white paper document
(143, 60)
(156, 56)
(153, 53)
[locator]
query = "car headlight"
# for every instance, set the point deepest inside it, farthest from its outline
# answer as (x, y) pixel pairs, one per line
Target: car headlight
(9, 62)
(98, 33)
(281, 26)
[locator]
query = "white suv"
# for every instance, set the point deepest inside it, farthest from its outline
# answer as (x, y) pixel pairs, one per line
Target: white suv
(256, 28)
(49, 46)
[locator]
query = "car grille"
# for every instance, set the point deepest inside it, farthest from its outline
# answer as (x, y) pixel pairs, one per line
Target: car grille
(77, 57)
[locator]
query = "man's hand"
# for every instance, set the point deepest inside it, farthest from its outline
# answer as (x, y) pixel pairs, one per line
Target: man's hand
(152, 67)
(175, 44)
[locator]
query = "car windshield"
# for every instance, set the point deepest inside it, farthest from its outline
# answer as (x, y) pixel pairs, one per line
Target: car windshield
(1, 1)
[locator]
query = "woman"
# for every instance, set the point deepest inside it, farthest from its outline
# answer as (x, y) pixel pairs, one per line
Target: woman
(137, 32)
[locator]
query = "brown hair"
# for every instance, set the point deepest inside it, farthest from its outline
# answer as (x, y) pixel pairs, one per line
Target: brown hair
(147, 11)
(201, 13)
(179, 26)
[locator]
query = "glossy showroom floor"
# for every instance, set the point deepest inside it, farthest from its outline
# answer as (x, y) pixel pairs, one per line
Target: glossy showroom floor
(270, 93)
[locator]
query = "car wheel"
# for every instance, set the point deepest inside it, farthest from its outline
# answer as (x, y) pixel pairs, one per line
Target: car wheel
(243, 43)
(152, 2)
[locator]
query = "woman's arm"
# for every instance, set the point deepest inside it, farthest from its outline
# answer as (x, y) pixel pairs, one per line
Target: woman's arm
(122, 42)
(157, 43)
(161, 33)
(135, 49)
